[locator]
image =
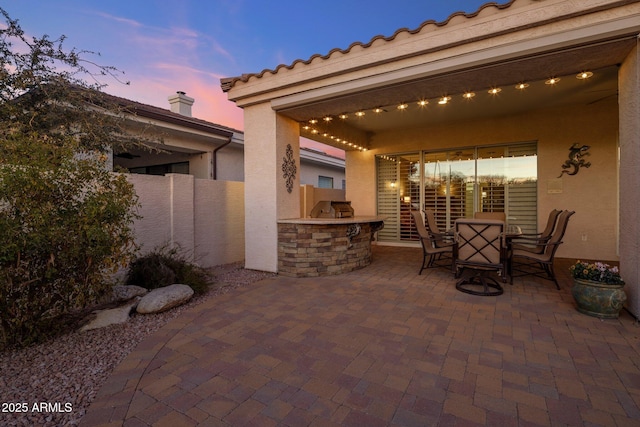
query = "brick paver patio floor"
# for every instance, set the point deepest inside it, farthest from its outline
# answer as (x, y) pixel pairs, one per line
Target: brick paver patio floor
(381, 346)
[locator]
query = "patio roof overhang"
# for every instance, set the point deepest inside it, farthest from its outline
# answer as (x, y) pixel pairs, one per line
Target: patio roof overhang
(599, 49)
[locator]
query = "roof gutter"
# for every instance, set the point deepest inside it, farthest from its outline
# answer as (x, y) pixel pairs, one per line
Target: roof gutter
(214, 158)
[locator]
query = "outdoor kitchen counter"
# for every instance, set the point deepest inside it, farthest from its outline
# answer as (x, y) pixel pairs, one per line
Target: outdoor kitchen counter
(310, 247)
(330, 221)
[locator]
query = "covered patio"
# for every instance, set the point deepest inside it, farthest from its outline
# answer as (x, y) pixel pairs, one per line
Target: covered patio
(525, 79)
(380, 346)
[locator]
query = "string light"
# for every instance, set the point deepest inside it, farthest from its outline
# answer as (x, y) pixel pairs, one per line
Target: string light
(421, 103)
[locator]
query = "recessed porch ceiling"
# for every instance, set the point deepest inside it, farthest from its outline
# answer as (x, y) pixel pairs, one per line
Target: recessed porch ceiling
(601, 58)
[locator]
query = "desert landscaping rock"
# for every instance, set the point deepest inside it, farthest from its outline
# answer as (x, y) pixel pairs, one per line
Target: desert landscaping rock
(162, 299)
(111, 316)
(125, 293)
(73, 367)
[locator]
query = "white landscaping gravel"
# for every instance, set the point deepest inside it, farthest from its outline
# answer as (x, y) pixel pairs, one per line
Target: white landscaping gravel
(53, 384)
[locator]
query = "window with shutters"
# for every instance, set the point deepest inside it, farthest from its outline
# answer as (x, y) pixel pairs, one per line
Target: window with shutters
(455, 184)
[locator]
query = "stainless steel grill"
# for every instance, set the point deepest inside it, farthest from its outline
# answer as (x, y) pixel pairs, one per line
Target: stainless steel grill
(332, 209)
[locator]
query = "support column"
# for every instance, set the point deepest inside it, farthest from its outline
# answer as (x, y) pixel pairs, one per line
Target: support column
(629, 108)
(267, 199)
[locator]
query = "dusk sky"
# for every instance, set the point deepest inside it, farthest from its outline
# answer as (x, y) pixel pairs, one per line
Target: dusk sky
(188, 45)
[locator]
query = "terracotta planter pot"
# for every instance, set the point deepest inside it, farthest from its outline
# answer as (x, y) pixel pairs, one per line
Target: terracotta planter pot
(598, 299)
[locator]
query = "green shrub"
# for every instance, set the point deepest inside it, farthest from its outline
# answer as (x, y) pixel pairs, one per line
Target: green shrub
(65, 218)
(63, 231)
(165, 266)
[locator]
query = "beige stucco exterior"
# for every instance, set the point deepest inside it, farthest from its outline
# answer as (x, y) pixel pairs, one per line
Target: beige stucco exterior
(522, 40)
(591, 193)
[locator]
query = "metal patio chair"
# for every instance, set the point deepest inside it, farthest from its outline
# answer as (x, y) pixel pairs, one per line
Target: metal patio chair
(433, 248)
(540, 263)
(532, 242)
(443, 238)
(500, 216)
(480, 246)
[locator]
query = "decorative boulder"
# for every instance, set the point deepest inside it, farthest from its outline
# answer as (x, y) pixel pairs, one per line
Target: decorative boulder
(125, 293)
(162, 299)
(111, 316)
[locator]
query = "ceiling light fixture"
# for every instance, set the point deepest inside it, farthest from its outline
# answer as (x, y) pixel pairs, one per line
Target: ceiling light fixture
(327, 118)
(522, 86)
(444, 100)
(359, 113)
(313, 121)
(584, 75)
(378, 110)
(495, 90)
(423, 103)
(403, 106)
(552, 81)
(343, 116)
(468, 95)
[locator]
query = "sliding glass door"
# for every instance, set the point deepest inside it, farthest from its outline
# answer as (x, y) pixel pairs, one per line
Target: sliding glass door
(455, 184)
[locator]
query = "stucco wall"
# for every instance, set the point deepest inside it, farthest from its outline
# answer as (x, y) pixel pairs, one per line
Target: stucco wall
(219, 220)
(204, 217)
(310, 174)
(629, 185)
(592, 193)
(310, 195)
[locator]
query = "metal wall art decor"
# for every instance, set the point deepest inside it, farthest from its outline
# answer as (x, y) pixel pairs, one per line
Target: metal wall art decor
(289, 168)
(576, 161)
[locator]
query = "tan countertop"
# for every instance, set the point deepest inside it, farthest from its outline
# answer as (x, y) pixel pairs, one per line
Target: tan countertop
(332, 221)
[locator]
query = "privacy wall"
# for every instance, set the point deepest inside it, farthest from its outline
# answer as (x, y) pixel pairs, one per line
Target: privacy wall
(203, 217)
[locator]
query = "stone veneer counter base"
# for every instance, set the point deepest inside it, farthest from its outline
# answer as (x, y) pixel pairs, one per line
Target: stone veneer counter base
(311, 247)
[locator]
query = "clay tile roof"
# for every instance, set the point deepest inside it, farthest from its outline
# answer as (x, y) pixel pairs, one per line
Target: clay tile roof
(229, 82)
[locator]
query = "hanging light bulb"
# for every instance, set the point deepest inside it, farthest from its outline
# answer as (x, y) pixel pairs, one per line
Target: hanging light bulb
(584, 75)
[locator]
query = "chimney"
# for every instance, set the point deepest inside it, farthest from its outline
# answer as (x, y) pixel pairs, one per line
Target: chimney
(181, 103)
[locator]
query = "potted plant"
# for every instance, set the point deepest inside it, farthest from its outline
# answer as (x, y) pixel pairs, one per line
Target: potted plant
(597, 289)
